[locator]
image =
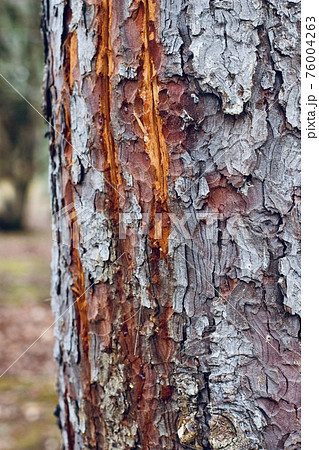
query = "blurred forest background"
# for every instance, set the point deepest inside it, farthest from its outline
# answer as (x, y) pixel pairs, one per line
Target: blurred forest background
(27, 390)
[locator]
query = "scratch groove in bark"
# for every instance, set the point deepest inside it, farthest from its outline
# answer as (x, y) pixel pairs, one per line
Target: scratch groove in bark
(154, 139)
(104, 69)
(78, 288)
(73, 58)
(152, 125)
(76, 268)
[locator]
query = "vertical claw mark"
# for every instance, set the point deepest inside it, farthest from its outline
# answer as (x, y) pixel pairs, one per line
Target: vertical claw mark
(104, 70)
(154, 140)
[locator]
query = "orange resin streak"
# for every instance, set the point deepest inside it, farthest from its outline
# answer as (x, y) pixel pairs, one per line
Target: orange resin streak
(104, 69)
(154, 140)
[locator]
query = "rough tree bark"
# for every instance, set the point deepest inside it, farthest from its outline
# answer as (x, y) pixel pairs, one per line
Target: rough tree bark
(175, 196)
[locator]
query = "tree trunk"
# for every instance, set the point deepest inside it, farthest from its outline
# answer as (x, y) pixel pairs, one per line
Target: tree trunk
(174, 173)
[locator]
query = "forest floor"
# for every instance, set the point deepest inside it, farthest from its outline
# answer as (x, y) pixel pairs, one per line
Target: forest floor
(27, 389)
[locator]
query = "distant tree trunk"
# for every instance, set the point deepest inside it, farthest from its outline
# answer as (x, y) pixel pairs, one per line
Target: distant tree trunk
(175, 195)
(20, 127)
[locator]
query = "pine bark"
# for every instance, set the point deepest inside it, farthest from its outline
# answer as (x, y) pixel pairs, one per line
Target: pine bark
(174, 171)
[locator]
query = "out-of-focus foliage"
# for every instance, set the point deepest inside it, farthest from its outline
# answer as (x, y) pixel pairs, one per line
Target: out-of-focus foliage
(21, 128)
